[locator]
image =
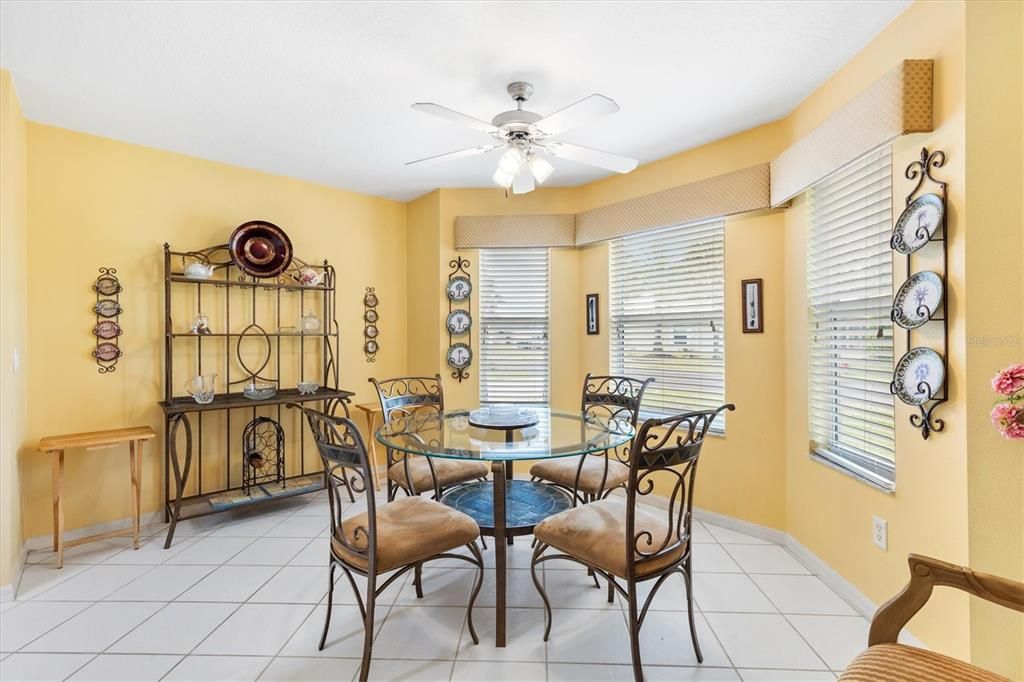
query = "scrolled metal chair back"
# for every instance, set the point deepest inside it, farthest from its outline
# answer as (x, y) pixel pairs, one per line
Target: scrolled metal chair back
(404, 397)
(614, 398)
(343, 454)
(669, 449)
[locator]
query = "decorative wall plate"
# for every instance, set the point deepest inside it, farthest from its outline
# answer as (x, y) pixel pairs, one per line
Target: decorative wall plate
(917, 223)
(459, 356)
(107, 307)
(107, 329)
(919, 376)
(459, 288)
(370, 328)
(107, 285)
(106, 352)
(917, 300)
(260, 249)
(108, 324)
(458, 322)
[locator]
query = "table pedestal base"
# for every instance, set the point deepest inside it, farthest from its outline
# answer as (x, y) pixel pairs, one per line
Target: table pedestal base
(504, 509)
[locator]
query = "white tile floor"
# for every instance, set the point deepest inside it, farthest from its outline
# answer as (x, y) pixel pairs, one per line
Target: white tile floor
(241, 597)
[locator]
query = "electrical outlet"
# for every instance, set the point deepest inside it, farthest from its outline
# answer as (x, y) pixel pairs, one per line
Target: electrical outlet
(880, 533)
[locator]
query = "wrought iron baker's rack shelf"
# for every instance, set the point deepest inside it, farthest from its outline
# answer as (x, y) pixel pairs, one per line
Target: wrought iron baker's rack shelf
(181, 410)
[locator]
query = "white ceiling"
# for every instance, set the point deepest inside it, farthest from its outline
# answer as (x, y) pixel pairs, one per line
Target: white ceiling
(321, 90)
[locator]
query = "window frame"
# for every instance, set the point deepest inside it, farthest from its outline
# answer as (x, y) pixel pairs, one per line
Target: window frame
(490, 389)
(855, 196)
(703, 270)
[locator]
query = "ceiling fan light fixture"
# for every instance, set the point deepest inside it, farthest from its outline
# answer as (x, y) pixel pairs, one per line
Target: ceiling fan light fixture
(540, 168)
(511, 161)
(503, 179)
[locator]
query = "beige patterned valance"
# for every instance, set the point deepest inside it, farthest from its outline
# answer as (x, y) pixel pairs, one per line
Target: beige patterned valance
(737, 192)
(514, 231)
(897, 104)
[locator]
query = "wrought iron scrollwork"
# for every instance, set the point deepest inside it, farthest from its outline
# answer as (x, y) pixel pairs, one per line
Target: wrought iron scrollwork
(107, 329)
(920, 170)
(460, 271)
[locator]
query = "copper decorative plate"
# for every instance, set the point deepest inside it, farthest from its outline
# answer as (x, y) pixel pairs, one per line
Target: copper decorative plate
(260, 249)
(107, 329)
(106, 352)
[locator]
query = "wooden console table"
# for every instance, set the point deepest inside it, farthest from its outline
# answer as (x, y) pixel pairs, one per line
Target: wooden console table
(55, 445)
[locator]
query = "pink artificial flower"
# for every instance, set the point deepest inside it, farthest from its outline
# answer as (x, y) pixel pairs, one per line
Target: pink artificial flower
(1009, 380)
(1007, 418)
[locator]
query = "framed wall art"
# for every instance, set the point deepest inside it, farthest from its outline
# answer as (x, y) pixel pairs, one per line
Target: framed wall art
(753, 306)
(593, 323)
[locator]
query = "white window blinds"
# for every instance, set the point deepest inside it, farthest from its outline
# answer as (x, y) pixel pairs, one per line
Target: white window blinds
(513, 326)
(849, 289)
(667, 316)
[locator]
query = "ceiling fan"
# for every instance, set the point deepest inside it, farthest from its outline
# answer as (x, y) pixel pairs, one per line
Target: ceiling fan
(526, 138)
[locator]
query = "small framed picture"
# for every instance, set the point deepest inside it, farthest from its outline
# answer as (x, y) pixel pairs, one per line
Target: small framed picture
(592, 320)
(753, 306)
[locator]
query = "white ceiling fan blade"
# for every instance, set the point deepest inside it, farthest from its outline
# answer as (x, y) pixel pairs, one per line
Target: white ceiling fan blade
(462, 153)
(455, 117)
(591, 157)
(586, 110)
(523, 182)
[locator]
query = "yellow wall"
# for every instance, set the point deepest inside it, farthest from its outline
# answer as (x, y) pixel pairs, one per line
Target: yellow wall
(94, 202)
(995, 323)
(13, 282)
(423, 282)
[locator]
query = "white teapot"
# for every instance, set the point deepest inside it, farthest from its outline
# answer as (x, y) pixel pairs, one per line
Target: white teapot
(308, 277)
(197, 270)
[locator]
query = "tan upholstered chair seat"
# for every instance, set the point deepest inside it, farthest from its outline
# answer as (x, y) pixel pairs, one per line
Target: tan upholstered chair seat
(408, 530)
(596, 533)
(448, 472)
(563, 472)
(899, 663)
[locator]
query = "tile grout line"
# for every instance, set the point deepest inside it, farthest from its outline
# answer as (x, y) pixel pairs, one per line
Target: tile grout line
(237, 608)
(784, 616)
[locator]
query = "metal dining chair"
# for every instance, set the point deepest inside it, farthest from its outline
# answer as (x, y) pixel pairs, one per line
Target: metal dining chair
(405, 397)
(620, 540)
(591, 477)
(398, 536)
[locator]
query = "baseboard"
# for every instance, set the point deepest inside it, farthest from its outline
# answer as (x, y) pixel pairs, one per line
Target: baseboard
(7, 591)
(46, 541)
(840, 585)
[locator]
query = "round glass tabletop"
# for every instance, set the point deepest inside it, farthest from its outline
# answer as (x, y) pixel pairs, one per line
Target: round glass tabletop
(556, 434)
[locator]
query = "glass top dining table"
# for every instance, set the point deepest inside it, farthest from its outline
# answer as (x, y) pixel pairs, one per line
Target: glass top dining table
(504, 507)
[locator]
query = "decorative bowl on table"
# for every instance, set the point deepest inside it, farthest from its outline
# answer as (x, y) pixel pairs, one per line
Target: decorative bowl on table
(259, 391)
(308, 387)
(503, 416)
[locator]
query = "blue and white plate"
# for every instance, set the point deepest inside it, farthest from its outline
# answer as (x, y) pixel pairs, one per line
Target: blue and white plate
(919, 376)
(917, 300)
(917, 223)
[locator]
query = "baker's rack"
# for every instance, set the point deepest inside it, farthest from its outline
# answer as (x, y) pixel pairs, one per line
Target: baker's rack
(245, 299)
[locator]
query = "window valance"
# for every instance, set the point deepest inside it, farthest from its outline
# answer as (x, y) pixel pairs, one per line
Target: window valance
(514, 231)
(897, 104)
(723, 195)
(736, 192)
